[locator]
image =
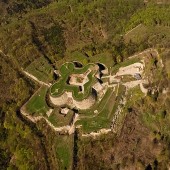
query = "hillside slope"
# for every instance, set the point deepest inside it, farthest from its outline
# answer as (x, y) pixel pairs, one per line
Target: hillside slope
(57, 31)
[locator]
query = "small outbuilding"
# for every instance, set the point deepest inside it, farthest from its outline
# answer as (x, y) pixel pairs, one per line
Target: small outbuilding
(64, 111)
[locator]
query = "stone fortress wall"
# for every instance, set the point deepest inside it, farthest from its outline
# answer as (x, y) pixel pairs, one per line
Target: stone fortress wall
(67, 99)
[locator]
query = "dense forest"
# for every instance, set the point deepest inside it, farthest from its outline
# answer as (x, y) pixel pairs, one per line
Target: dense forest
(55, 30)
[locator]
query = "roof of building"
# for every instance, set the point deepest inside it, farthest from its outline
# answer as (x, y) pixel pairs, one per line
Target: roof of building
(64, 111)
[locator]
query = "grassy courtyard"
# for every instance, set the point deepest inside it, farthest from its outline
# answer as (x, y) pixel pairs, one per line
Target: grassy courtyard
(37, 105)
(57, 119)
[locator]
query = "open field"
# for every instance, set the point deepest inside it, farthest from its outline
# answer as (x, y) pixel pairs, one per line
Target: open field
(41, 69)
(37, 105)
(73, 56)
(64, 151)
(137, 94)
(155, 33)
(137, 34)
(104, 58)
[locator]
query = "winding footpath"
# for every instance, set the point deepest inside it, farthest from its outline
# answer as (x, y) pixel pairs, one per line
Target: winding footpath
(132, 29)
(35, 78)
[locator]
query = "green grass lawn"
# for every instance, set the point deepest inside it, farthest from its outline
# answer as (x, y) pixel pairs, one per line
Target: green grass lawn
(41, 69)
(73, 56)
(105, 58)
(64, 151)
(94, 124)
(155, 33)
(58, 119)
(37, 104)
(64, 70)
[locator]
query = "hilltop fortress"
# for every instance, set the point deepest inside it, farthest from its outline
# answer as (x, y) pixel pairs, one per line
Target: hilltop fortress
(92, 97)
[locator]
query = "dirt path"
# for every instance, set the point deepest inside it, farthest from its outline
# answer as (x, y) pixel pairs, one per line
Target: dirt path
(132, 84)
(72, 127)
(2, 52)
(96, 134)
(133, 29)
(35, 78)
